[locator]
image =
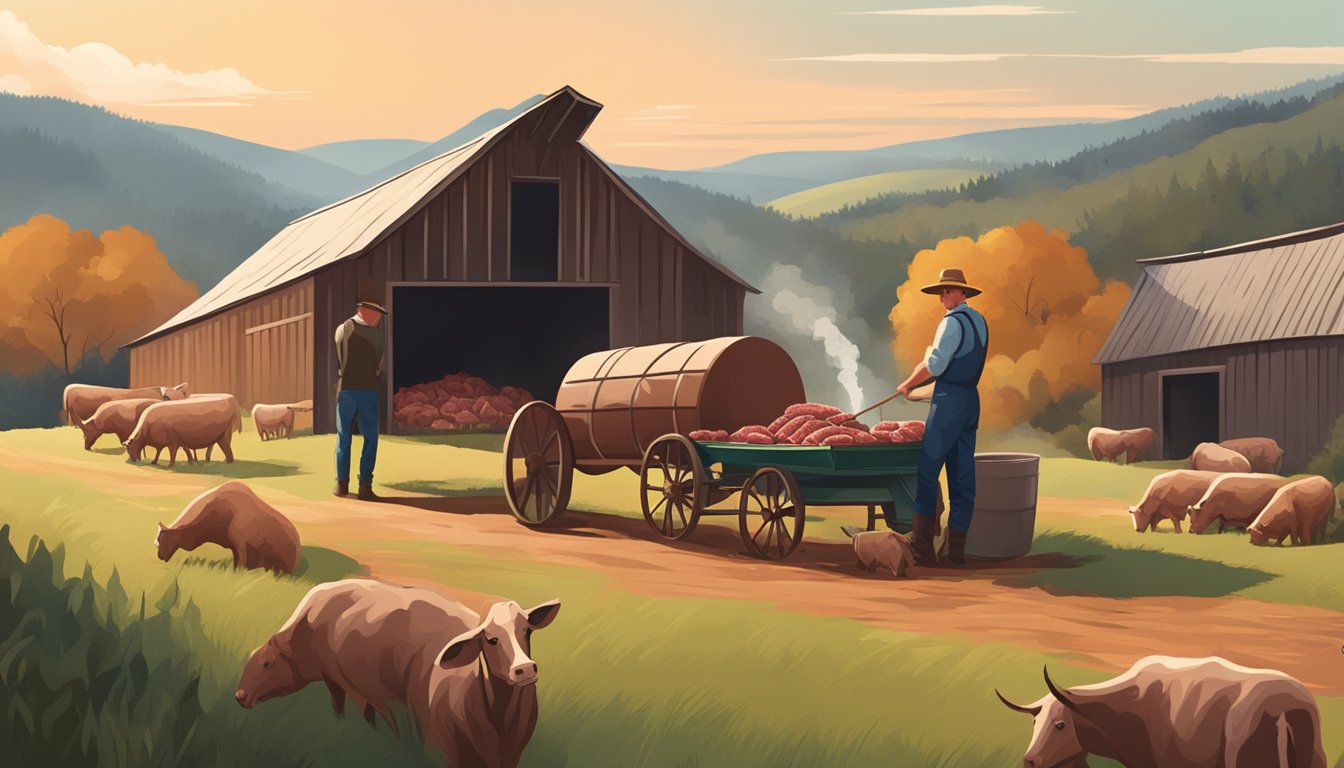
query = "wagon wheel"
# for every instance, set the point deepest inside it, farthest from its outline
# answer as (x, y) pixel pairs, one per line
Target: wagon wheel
(672, 486)
(771, 513)
(538, 464)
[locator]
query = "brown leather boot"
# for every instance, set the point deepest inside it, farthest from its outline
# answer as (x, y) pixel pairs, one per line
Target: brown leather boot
(956, 546)
(922, 539)
(366, 491)
(342, 488)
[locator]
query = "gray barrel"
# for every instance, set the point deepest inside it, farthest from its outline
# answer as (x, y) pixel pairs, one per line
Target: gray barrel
(1005, 505)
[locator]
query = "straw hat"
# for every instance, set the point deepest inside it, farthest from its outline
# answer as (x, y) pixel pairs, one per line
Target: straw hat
(952, 278)
(369, 297)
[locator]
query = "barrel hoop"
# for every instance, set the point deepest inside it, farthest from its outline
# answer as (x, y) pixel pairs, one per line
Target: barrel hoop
(592, 407)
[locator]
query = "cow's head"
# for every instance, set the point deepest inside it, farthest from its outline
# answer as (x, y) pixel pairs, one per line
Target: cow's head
(134, 447)
(1054, 733)
(166, 542)
(1199, 520)
(1142, 517)
(268, 673)
(181, 391)
(1258, 535)
(504, 640)
(91, 433)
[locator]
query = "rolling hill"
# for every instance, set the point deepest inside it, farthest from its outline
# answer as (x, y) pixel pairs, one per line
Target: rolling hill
(364, 156)
(831, 197)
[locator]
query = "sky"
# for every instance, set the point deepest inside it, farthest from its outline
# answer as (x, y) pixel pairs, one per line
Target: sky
(688, 84)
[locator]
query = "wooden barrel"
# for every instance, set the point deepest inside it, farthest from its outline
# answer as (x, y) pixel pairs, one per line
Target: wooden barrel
(1004, 521)
(616, 403)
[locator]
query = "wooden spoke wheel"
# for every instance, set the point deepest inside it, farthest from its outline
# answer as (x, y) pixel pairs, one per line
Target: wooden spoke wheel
(538, 464)
(672, 486)
(771, 513)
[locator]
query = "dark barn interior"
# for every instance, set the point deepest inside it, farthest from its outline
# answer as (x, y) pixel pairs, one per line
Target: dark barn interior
(1190, 412)
(521, 337)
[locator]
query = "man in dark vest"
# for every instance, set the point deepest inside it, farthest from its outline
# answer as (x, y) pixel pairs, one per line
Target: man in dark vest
(956, 360)
(359, 352)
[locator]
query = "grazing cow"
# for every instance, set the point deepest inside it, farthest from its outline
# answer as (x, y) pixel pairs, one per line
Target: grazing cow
(1170, 712)
(196, 422)
(885, 549)
(1109, 444)
(274, 421)
(81, 400)
(375, 643)
(1234, 499)
(1212, 457)
(116, 416)
(235, 518)
(1169, 497)
(482, 703)
(1263, 453)
(1300, 509)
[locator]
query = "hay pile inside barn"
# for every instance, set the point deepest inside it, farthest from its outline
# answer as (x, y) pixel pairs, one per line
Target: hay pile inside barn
(458, 401)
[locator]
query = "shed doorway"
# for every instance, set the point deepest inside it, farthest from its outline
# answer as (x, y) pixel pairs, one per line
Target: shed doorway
(1191, 411)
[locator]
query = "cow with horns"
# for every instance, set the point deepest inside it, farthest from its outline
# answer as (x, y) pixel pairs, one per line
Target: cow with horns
(1178, 713)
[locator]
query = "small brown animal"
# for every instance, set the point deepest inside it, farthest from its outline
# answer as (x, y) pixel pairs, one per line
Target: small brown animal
(482, 704)
(1234, 499)
(884, 549)
(1109, 444)
(235, 518)
(1263, 453)
(274, 421)
(116, 416)
(1212, 457)
(1169, 497)
(79, 401)
(373, 642)
(196, 422)
(1299, 509)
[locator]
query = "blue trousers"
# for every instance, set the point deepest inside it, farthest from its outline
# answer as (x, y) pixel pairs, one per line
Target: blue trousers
(354, 404)
(949, 438)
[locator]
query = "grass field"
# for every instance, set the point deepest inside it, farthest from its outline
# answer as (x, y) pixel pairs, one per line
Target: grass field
(834, 196)
(627, 678)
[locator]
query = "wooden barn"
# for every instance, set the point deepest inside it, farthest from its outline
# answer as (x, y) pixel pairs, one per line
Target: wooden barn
(508, 257)
(1241, 341)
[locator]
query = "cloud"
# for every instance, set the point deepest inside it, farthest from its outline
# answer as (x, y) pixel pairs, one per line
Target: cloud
(964, 10)
(1330, 55)
(1319, 55)
(15, 84)
(98, 72)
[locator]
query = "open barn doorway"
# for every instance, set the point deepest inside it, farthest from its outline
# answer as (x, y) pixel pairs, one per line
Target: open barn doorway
(1191, 411)
(519, 341)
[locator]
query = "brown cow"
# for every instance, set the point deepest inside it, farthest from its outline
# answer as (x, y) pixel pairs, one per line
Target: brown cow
(277, 420)
(196, 422)
(885, 549)
(1263, 453)
(482, 703)
(116, 416)
(1169, 497)
(79, 401)
(1300, 509)
(373, 642)
(1234, 499)
(1170, 712)
(235, 518)
(1109, 444)
(1212, 457)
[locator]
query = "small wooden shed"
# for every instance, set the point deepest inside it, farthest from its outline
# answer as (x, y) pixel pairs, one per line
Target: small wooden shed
(509, 257)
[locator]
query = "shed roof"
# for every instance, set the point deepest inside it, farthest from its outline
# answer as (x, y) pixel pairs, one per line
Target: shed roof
(348, 228)
(1285, 287)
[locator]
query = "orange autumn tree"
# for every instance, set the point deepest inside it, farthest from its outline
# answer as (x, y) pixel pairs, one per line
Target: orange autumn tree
(65, 294)
(1048, 315)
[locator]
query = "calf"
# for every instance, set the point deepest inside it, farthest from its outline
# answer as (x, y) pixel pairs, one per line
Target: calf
(885, 549)
(1109, 444)
(235, 518)
(1300, 509)
(274, 421)
(1212, 457)
(116, 416)
(79, 401)
(197, 422)
(1234, 499)
(371, 642)
(1263, 453)
(482, 704)
(1167, 712)
(1169, 497)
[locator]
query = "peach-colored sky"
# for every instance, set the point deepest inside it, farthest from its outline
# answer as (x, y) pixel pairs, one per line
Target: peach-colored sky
(685, 84)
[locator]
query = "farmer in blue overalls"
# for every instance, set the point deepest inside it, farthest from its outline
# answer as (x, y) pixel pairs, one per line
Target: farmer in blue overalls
(956, 360)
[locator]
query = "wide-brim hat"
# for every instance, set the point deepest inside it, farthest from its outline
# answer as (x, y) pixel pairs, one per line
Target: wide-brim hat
(952, 278)
(372, 305)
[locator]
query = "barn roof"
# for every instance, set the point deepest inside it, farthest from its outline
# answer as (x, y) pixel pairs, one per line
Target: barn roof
(348, 228)
(1285, 287)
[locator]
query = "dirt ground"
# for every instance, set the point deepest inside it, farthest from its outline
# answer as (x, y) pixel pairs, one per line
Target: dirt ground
(979, 601)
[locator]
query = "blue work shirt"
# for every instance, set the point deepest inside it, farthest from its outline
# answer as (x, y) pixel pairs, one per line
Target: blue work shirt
(947, 340)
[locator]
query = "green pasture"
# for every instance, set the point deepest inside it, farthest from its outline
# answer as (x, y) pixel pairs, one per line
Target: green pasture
(834, 196)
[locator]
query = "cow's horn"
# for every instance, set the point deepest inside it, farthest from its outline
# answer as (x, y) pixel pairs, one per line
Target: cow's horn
(1033, 711)
(1056, 692)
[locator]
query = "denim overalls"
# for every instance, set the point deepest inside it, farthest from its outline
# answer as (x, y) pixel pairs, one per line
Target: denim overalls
(949, 433)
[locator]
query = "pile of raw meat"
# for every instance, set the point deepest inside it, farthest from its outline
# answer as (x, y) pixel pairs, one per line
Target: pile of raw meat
(816, 424)
(457, 402)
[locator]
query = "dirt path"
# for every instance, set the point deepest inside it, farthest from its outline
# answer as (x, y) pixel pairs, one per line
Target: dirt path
(980, 602)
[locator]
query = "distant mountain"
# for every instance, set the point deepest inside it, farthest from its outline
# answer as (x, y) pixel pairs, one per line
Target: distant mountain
(485, 122)
(364, 156)
(310, 176)
(755, 187)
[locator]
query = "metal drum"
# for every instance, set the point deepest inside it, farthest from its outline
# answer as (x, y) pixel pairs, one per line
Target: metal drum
(1004, 521)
